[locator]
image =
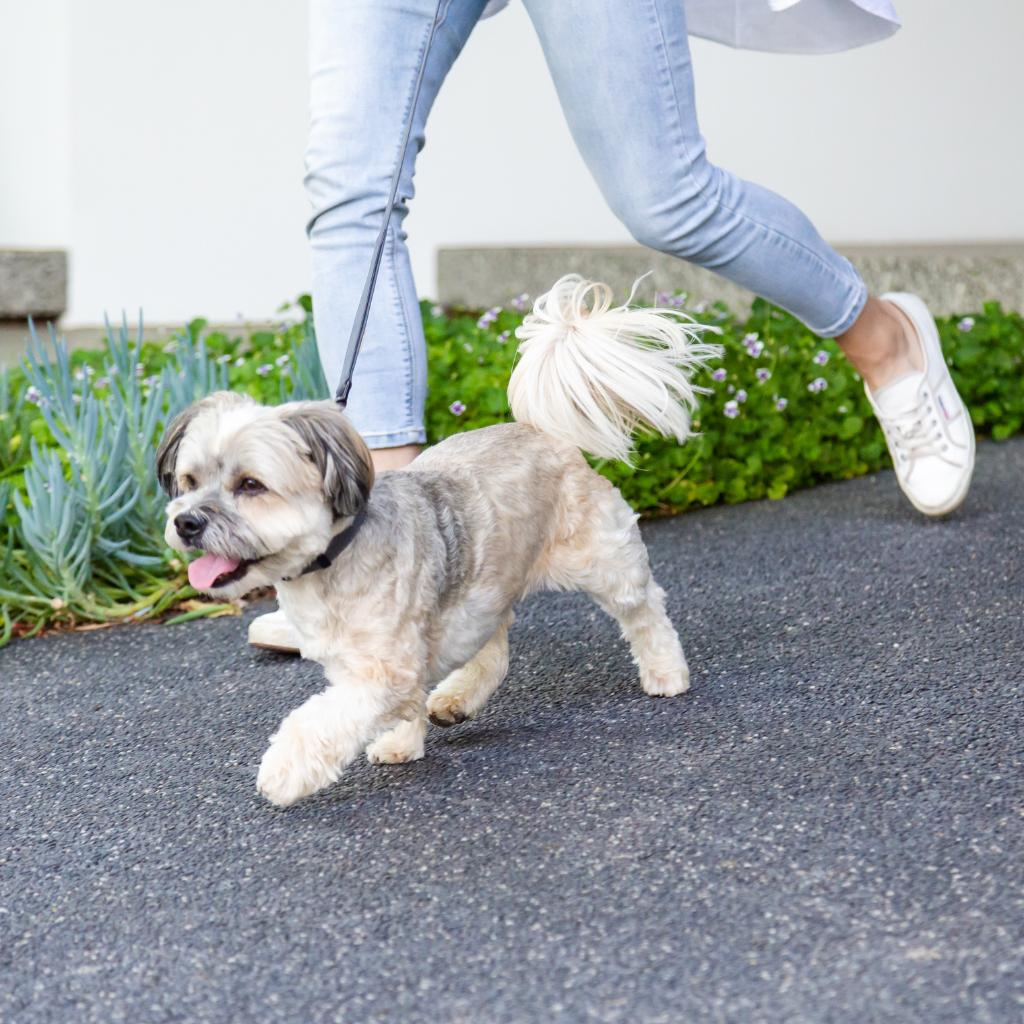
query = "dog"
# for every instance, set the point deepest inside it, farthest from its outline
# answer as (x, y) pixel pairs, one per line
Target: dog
(403, 587)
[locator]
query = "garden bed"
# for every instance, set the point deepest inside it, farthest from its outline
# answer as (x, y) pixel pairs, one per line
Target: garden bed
(81, 537)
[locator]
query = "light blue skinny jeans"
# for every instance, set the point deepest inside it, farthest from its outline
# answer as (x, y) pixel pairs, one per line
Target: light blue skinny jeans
(625, 82)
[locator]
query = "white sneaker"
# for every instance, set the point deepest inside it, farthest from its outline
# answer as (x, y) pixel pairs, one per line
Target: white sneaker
(273, 632)
(925, 422)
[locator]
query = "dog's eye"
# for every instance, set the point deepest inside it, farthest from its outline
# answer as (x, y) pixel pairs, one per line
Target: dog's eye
(250, 485)
(188, 482)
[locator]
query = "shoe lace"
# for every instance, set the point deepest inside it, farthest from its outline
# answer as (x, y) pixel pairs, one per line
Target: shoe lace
(916, 432)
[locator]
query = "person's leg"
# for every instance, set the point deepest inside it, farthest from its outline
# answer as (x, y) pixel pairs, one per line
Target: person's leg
(364, 56)
(625, 82)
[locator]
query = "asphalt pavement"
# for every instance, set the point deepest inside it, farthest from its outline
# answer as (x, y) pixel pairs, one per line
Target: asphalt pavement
(828, 828)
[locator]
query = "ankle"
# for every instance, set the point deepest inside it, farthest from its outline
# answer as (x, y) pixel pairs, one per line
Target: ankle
(885, 361)
(394, 458)
(882, 345)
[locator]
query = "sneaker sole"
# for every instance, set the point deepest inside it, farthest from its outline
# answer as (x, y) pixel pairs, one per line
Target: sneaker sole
(277, 648)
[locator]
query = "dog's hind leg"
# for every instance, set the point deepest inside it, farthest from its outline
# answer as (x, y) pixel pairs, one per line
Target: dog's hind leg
(462, 694)
(640, 613)
(606, 558)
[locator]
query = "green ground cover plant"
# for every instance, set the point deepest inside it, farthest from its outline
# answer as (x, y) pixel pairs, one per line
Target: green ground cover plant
(81, 527)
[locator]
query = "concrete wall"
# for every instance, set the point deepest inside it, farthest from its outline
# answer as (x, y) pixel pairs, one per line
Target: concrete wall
(162, 143)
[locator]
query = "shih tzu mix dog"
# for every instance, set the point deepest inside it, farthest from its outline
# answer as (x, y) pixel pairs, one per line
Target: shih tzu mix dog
(403, 587)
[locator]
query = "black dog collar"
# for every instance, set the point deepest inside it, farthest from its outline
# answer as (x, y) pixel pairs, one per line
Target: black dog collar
(338, 543)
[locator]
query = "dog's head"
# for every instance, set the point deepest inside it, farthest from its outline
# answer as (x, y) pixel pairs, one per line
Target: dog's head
(258, 489)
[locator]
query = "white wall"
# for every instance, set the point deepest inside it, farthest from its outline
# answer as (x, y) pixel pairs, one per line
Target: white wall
(35, 68)
(165, 143)
(188, 127)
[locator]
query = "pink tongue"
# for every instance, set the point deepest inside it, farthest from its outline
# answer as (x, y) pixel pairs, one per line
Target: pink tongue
(205, 569)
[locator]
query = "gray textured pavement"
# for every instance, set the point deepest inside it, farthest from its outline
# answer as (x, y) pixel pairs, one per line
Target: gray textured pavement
(827, 829)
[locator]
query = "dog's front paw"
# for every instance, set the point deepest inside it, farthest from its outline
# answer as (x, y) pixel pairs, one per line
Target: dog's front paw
(290, 770)
(666, 683)
(400, 746)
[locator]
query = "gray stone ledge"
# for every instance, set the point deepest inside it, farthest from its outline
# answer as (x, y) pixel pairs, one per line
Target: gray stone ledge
(950, 278)
(33, 282)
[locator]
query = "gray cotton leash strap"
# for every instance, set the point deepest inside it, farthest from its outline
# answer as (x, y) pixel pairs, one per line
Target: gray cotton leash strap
(355, 340)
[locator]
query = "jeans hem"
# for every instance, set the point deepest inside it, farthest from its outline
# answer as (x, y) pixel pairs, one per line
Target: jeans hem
(395, 439)
(848, 319)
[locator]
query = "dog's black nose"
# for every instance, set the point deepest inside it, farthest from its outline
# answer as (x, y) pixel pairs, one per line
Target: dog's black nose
(189, 526)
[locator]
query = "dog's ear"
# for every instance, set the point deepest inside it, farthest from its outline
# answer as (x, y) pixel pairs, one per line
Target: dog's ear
(167, 452)
(337, 450)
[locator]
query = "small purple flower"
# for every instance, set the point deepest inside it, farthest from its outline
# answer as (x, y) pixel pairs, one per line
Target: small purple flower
(33, 395)
(151, 380)
(781, 403)
(731, 409)
(503, 337)
(488, 318)
(762, 373)
(281, 360)
(240, 361)
(719, 374)
(821, 357)
(753, 344)
(700, 307)
(662, 298)
(171, 346)
(741, 395)
(818, 384)
(966, 324)
(226, 358)
(520, 302)
(466, 345)
(102, 382)
(264, 369)
(456, 408)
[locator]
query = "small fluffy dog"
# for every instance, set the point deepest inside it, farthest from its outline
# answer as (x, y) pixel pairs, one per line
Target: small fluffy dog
(404, 586)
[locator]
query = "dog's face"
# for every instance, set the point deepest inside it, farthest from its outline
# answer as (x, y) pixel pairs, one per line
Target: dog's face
(257, 489)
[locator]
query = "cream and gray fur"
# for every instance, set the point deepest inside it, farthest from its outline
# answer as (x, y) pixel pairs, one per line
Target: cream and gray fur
(411, 621)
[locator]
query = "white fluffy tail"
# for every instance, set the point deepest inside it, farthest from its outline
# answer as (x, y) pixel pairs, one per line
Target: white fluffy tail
(591, 374)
